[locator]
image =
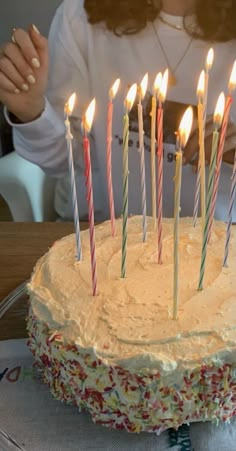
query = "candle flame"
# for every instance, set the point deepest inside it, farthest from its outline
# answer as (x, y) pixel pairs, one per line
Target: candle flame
(143, 85)
(114, 88)
(209, 59)
(69, 106)
(130, 98)
(201, 84)
(185, 126)
(88, 118)
(157, 83)
(163, 87)
(219, 110)
(232, 81)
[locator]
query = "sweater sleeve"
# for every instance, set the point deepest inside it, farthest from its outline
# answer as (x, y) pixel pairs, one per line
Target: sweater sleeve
(43, 141)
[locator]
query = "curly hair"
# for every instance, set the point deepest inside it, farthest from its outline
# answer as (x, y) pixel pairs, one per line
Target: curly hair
(215, 19)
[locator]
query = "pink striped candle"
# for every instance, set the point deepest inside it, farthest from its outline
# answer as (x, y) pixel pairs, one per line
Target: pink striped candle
(229, 100)
(112, 94)
(156, 88)
(161, 98)
(86, 127)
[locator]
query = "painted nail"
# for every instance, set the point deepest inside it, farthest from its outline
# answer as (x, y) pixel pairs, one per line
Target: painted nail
(35, 29)
(25, 87)
(31, 79)
(16, 91)
(35, 63)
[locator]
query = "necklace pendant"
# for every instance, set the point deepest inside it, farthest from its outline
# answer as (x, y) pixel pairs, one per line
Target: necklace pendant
(172, 78)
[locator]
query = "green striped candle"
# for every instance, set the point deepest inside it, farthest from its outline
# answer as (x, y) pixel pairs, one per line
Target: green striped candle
(182, 138)
(218, 115)
(128, 105)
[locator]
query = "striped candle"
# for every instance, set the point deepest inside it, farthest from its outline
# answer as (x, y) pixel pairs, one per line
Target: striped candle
(112, 94)
(177, 179)
(217, 124)
(230, 212)
(208, 66)
(229, 100)
(200, 182)
(86, 126)
(156, 87)
(142, 92)
(68, 111)
(161, 98)
(128, 105)
(182, 138)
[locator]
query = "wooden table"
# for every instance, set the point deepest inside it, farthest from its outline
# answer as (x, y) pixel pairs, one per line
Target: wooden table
(21, 244)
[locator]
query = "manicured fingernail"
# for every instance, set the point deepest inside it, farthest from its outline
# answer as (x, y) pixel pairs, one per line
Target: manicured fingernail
(35, 63)
(16, 91)
(35, 29)
(31, 79)
(25, 87)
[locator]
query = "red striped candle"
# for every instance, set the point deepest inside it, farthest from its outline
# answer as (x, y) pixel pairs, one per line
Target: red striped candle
(229, 100)
(86, 126)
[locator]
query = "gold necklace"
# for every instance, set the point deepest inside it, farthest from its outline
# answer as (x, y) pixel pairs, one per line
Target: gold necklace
(172, 70)
(172, 25)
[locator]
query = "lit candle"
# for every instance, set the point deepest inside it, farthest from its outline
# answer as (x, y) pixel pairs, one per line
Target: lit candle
(208, 66)
(230, 213)
(161, 99)
(229, 100)
(156, 87)
(200, 182)
(142, 91)
(68, 111)
(128, 105)
(86, 127)
(218, 115)
(112, 94)
(182, 138)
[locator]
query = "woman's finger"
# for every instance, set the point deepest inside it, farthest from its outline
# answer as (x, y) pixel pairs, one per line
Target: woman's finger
(27, 48)
(13, 53)
(10, 71)
(7, 85)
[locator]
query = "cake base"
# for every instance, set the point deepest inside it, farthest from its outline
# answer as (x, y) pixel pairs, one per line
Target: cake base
(120, 355)
(135, 401)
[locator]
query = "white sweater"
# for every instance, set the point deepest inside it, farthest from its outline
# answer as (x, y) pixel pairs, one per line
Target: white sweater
(87, 59)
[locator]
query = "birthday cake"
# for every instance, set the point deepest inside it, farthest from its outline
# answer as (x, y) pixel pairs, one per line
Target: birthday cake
(120, 355)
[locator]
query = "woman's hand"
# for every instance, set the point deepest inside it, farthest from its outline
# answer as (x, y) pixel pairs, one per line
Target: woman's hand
(192, 147)
(24, 74)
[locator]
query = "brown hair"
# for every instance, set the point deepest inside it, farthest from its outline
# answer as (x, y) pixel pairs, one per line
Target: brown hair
(215, 19)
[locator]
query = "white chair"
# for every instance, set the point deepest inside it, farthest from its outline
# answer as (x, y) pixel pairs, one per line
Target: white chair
(27, 190)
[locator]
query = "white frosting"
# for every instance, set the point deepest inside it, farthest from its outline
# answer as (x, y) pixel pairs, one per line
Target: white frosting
(130, 321)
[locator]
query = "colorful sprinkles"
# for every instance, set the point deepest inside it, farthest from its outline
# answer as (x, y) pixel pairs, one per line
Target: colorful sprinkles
(120, 399)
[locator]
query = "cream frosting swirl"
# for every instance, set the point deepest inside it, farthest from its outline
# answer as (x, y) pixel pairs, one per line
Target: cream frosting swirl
(130, 321)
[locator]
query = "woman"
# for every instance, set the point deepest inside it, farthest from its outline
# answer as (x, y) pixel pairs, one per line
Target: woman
(91, 43)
